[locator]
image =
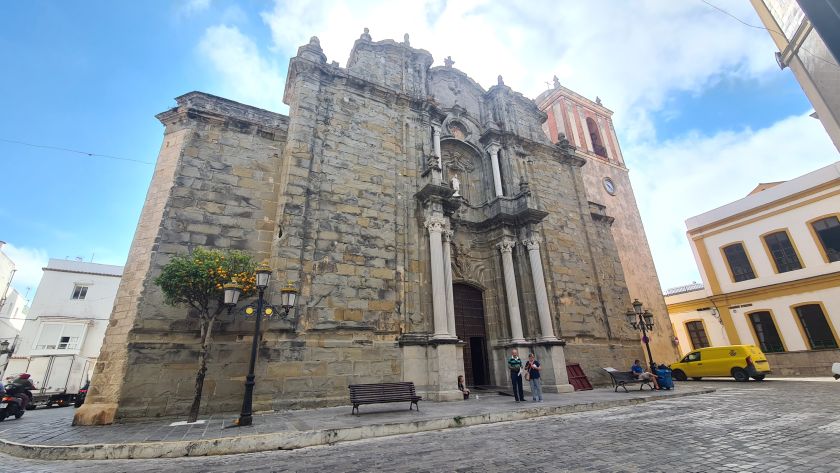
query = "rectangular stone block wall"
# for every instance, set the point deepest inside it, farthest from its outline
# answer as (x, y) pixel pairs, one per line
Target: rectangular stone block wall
(111, 366)
(803, 363)
(347, 208)
(222, 194)
(593, 357)
(633, 249)
(579, 255)
(290, 374)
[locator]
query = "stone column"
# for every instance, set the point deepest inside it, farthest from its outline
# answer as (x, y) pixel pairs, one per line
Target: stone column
(447, 273)
(506, 248)
(555, 378)
(546, 327)
(493, 150)
(436, 141)
(436, 224)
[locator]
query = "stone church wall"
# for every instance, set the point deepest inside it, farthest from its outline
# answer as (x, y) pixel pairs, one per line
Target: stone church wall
(342, 197)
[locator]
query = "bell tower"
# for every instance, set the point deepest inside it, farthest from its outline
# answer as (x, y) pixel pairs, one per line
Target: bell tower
(588, 125)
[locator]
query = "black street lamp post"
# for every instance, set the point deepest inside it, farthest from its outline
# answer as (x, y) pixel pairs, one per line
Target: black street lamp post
(643, 321)
(288, 299)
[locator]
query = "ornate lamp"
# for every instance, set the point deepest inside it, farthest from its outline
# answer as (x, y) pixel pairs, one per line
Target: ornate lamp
(642, 320)
(263, 275)
(232, 292)
(261, 310)
(632, 318)
(648, 316)
(288, 297)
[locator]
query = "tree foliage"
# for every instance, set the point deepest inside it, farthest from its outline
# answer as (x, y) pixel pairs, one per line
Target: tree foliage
(197, 280)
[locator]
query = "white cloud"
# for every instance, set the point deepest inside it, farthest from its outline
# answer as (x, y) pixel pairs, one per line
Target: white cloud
(678, 179)
(28, 263)
(191, 7)
(245, 75)
(631, 54)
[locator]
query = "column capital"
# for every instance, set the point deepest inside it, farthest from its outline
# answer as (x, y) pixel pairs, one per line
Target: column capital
(435, 224)
(506, 245)
(492, 148)
(532, 244)
(447, 235)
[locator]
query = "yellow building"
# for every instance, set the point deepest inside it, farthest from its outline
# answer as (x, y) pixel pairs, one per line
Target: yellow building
(770, 264)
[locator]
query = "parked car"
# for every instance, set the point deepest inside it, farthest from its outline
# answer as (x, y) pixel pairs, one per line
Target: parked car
(742, 362)
(80, 398)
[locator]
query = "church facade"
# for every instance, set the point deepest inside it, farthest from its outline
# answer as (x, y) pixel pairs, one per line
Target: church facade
(429, 224)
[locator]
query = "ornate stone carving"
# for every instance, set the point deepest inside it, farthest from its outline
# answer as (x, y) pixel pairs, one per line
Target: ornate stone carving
(457, 130)
(506, 245)
(459, 161)
(531, 244)
(435, 224)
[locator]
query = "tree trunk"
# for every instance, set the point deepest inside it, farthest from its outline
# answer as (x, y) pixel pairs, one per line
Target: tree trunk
(202, 368)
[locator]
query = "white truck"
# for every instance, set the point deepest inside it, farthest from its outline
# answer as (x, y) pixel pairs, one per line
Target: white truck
(57, 378)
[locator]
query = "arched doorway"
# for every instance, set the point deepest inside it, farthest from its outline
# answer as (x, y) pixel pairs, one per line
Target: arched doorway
(469, 326)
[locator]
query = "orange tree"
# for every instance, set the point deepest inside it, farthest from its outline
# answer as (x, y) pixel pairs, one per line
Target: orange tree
(196, 280)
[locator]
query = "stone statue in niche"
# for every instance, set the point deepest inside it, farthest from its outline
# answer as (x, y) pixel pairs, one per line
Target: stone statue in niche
(461, 162)
(456, 186)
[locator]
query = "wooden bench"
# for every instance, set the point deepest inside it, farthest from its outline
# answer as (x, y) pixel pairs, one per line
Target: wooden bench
(621, 379)
(382, 393)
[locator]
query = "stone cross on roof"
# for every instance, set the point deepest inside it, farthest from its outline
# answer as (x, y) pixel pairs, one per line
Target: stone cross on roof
(448, 62)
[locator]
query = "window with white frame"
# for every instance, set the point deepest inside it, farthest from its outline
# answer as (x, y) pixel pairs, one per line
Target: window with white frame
(60, 337)
(79, 292)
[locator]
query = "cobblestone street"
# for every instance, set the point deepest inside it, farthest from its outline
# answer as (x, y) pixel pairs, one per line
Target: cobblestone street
(770, 426)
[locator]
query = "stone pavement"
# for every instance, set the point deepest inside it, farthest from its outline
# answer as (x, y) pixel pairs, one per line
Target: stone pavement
(47, 433)
(741, 427)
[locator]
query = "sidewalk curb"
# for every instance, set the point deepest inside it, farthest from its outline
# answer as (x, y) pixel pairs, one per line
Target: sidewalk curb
(299, 439)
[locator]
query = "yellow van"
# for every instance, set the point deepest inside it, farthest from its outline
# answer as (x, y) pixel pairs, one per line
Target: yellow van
(742, 362)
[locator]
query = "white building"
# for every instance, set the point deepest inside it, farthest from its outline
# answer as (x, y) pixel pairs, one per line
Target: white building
(770, 264)
(69, 314)
(12, 308)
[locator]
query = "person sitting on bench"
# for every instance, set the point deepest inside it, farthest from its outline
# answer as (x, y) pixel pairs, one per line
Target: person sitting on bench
(463, 388)
(640, 373)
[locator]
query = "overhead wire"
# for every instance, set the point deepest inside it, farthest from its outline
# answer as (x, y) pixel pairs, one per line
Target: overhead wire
(803, 48)
(86, 153)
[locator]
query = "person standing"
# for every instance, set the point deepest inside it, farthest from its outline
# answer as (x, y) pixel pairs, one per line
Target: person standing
(533, 367)
(515, 366)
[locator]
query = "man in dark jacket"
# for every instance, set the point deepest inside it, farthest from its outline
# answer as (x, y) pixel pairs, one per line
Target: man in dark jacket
(23, 384)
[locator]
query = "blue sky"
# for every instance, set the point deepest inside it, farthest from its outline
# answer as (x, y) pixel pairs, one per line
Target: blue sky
(687, 84)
